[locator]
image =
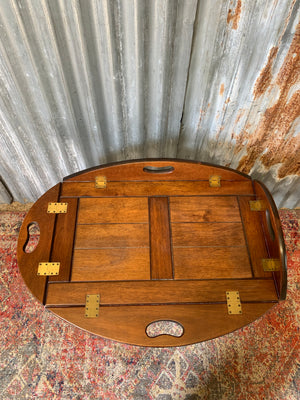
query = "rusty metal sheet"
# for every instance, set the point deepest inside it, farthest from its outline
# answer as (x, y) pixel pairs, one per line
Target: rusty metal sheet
(246, 113)
(83, 83)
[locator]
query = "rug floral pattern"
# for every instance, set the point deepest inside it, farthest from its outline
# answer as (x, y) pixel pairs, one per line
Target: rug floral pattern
(43, 357)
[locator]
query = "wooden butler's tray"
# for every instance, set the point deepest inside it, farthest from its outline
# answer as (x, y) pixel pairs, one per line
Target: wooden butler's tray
(123, 246)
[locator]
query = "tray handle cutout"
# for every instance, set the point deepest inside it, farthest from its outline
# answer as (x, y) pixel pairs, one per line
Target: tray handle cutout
(33, 237)
(158, 170)
(164, 327)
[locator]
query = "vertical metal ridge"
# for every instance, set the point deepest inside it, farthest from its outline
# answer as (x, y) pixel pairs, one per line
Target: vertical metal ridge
(76, 84)
(88, 82)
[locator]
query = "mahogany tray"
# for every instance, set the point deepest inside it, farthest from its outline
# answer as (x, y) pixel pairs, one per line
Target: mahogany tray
(123, 246)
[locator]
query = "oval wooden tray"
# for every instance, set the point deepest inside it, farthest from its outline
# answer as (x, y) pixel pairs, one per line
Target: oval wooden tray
(128, 244)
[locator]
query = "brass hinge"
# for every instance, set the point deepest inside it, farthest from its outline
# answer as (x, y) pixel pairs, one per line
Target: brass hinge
(233, 302)
(271, 264)
(57, 208)
(48, 268)
(257, 205)
(215, 181)
(100, 182)
(92, 304)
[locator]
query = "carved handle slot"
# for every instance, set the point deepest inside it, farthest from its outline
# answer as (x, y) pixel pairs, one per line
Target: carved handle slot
(164, 327)
(33, 237)
(159, 170)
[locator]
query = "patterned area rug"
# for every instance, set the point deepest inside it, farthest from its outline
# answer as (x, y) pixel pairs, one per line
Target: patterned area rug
(42, 357)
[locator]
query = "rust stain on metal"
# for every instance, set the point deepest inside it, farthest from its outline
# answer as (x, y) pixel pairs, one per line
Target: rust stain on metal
(265, 77)
(240, 114)
(221, 128)
(221, 89)
(273, 142)
(234, 17)
(202, 113)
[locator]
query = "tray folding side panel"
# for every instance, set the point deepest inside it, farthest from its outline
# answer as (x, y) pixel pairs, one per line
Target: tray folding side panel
(146, 241)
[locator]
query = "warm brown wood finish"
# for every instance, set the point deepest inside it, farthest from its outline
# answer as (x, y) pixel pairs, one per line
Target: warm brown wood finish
(111, 264)
(157, 243)
(208, 234)
(112, 240)
(166, 188)
(159, 292)
(134, 171)
(255, 237)
(211, 262)
(161, 257)
(111, 235)
(113, 210)
(28, 262)
(63, 241)
(204, 209)
(276, 246)
(129, 323)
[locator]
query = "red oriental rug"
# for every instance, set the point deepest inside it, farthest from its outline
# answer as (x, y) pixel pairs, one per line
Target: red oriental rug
(43, 357)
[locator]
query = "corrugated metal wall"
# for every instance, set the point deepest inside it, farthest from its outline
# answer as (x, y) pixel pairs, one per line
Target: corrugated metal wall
(87, 82)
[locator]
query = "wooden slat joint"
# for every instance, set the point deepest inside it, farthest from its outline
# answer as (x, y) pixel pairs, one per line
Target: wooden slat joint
(160, 242)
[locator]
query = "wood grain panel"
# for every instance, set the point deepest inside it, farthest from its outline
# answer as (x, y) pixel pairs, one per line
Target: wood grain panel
(255, 237)
(160, 241)
(62, 248)
(167, 188)
(112, 235)
(108, 264)
(211, 262)
(155, 244)
(115, 210)
(208, 234)
(134, 170)
(204, 209)
(160, 292)
(128, 323)
(276, 245)
(28, 262)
